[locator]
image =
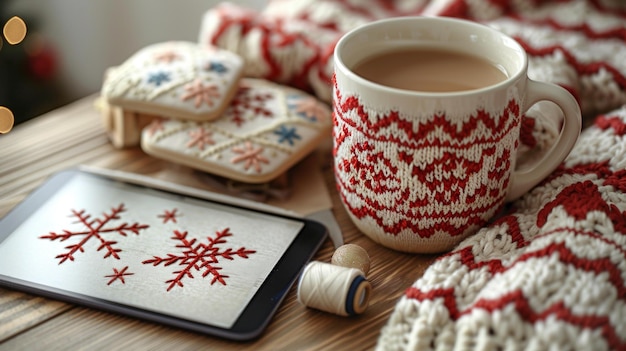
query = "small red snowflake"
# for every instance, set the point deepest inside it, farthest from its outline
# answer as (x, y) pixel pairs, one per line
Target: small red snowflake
(250, 155)
(200, 257)
(310, 108)
(155, 126)
(169, 215)
(168, 56)
(200, 137)
(201, 93)
(118, 275)
(249, 102)
(95, 229)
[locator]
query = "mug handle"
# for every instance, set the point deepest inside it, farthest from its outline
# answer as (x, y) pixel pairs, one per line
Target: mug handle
(524, 180)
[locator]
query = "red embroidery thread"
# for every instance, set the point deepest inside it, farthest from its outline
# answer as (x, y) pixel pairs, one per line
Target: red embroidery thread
(96, 228)
(246, 102)
(199, 257)
(169, 215)
(201, 93)
(118, 275)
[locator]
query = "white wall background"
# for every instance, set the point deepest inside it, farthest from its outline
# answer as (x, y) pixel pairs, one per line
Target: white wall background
(91, 35)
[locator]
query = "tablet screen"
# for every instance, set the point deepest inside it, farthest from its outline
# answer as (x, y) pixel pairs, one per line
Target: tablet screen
(155, 251)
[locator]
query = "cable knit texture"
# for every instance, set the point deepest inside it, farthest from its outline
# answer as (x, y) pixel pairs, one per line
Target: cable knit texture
(550, 272)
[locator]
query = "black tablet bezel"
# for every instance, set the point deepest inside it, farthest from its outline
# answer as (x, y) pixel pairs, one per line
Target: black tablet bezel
(251, 322)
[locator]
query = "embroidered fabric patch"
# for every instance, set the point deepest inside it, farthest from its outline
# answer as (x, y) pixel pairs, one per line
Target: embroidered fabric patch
(266, 129)
(146, 249)
(177, 79)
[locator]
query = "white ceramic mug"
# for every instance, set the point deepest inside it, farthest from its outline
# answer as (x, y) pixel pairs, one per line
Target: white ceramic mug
(420, 171)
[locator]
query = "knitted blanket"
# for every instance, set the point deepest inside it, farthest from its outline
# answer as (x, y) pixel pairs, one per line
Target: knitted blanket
(549, 273)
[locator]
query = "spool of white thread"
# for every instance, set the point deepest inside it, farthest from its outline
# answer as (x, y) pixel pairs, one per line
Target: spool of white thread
(335, 289)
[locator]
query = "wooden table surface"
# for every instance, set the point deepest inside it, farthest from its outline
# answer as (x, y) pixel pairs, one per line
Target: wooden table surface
(73, 135)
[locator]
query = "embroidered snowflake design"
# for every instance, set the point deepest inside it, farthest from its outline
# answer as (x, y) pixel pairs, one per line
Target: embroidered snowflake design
(118, 275)
(158, 78)
(199, 257)
(250, 155)
(216, 67)
(307, 107)
(155, 126)
(96, 229)
(287, 135)
(248, 104)
(169, 215)
(200, 137)
(168, 56)
(201, 93)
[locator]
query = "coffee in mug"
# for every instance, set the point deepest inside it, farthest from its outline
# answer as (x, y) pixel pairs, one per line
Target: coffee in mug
(420, 166)
(429, 69)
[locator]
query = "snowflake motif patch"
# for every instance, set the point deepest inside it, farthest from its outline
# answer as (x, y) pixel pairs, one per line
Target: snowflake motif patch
(200, 137)
(95, 230)
(201, 93)
(307, 107)
(249, 104)
(158, 78)
(250, 156)
(199, 257)
(217, 67)
(287, 135)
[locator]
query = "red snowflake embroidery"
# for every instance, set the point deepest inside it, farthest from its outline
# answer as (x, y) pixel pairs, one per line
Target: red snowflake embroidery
(309, 108)
(169, 215)
(168, 56)
(96, 228)
(156, 126)
(118, 275)
(200, 137)
(201, 93)
(249, 102)
(199, 257)
(250, 155)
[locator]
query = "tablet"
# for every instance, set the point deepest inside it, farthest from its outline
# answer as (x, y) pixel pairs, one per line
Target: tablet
(185, 261)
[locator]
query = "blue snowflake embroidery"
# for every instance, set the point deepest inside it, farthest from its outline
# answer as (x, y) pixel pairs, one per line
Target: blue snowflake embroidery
(287, 135)
(158, 78)
(217, 67)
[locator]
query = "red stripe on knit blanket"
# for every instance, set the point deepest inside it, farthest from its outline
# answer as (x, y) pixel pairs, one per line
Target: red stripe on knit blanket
(557, 310)
(457, 8)
(616, 123)
(597, 266)
(522, 306)
(614, 33)
(620, 11)
(581, 198)
(580, 67)
(246, 26)
(516, 298)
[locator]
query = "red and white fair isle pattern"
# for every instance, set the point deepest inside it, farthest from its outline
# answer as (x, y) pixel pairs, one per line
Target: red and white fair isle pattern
(550, 273)
(442, 179)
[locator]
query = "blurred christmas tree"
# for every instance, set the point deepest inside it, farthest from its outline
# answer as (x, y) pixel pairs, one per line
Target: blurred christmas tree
(28, 70)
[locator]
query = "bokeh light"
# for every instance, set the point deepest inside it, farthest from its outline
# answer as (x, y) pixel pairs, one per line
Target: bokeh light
(6, 120)
(14, 32)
